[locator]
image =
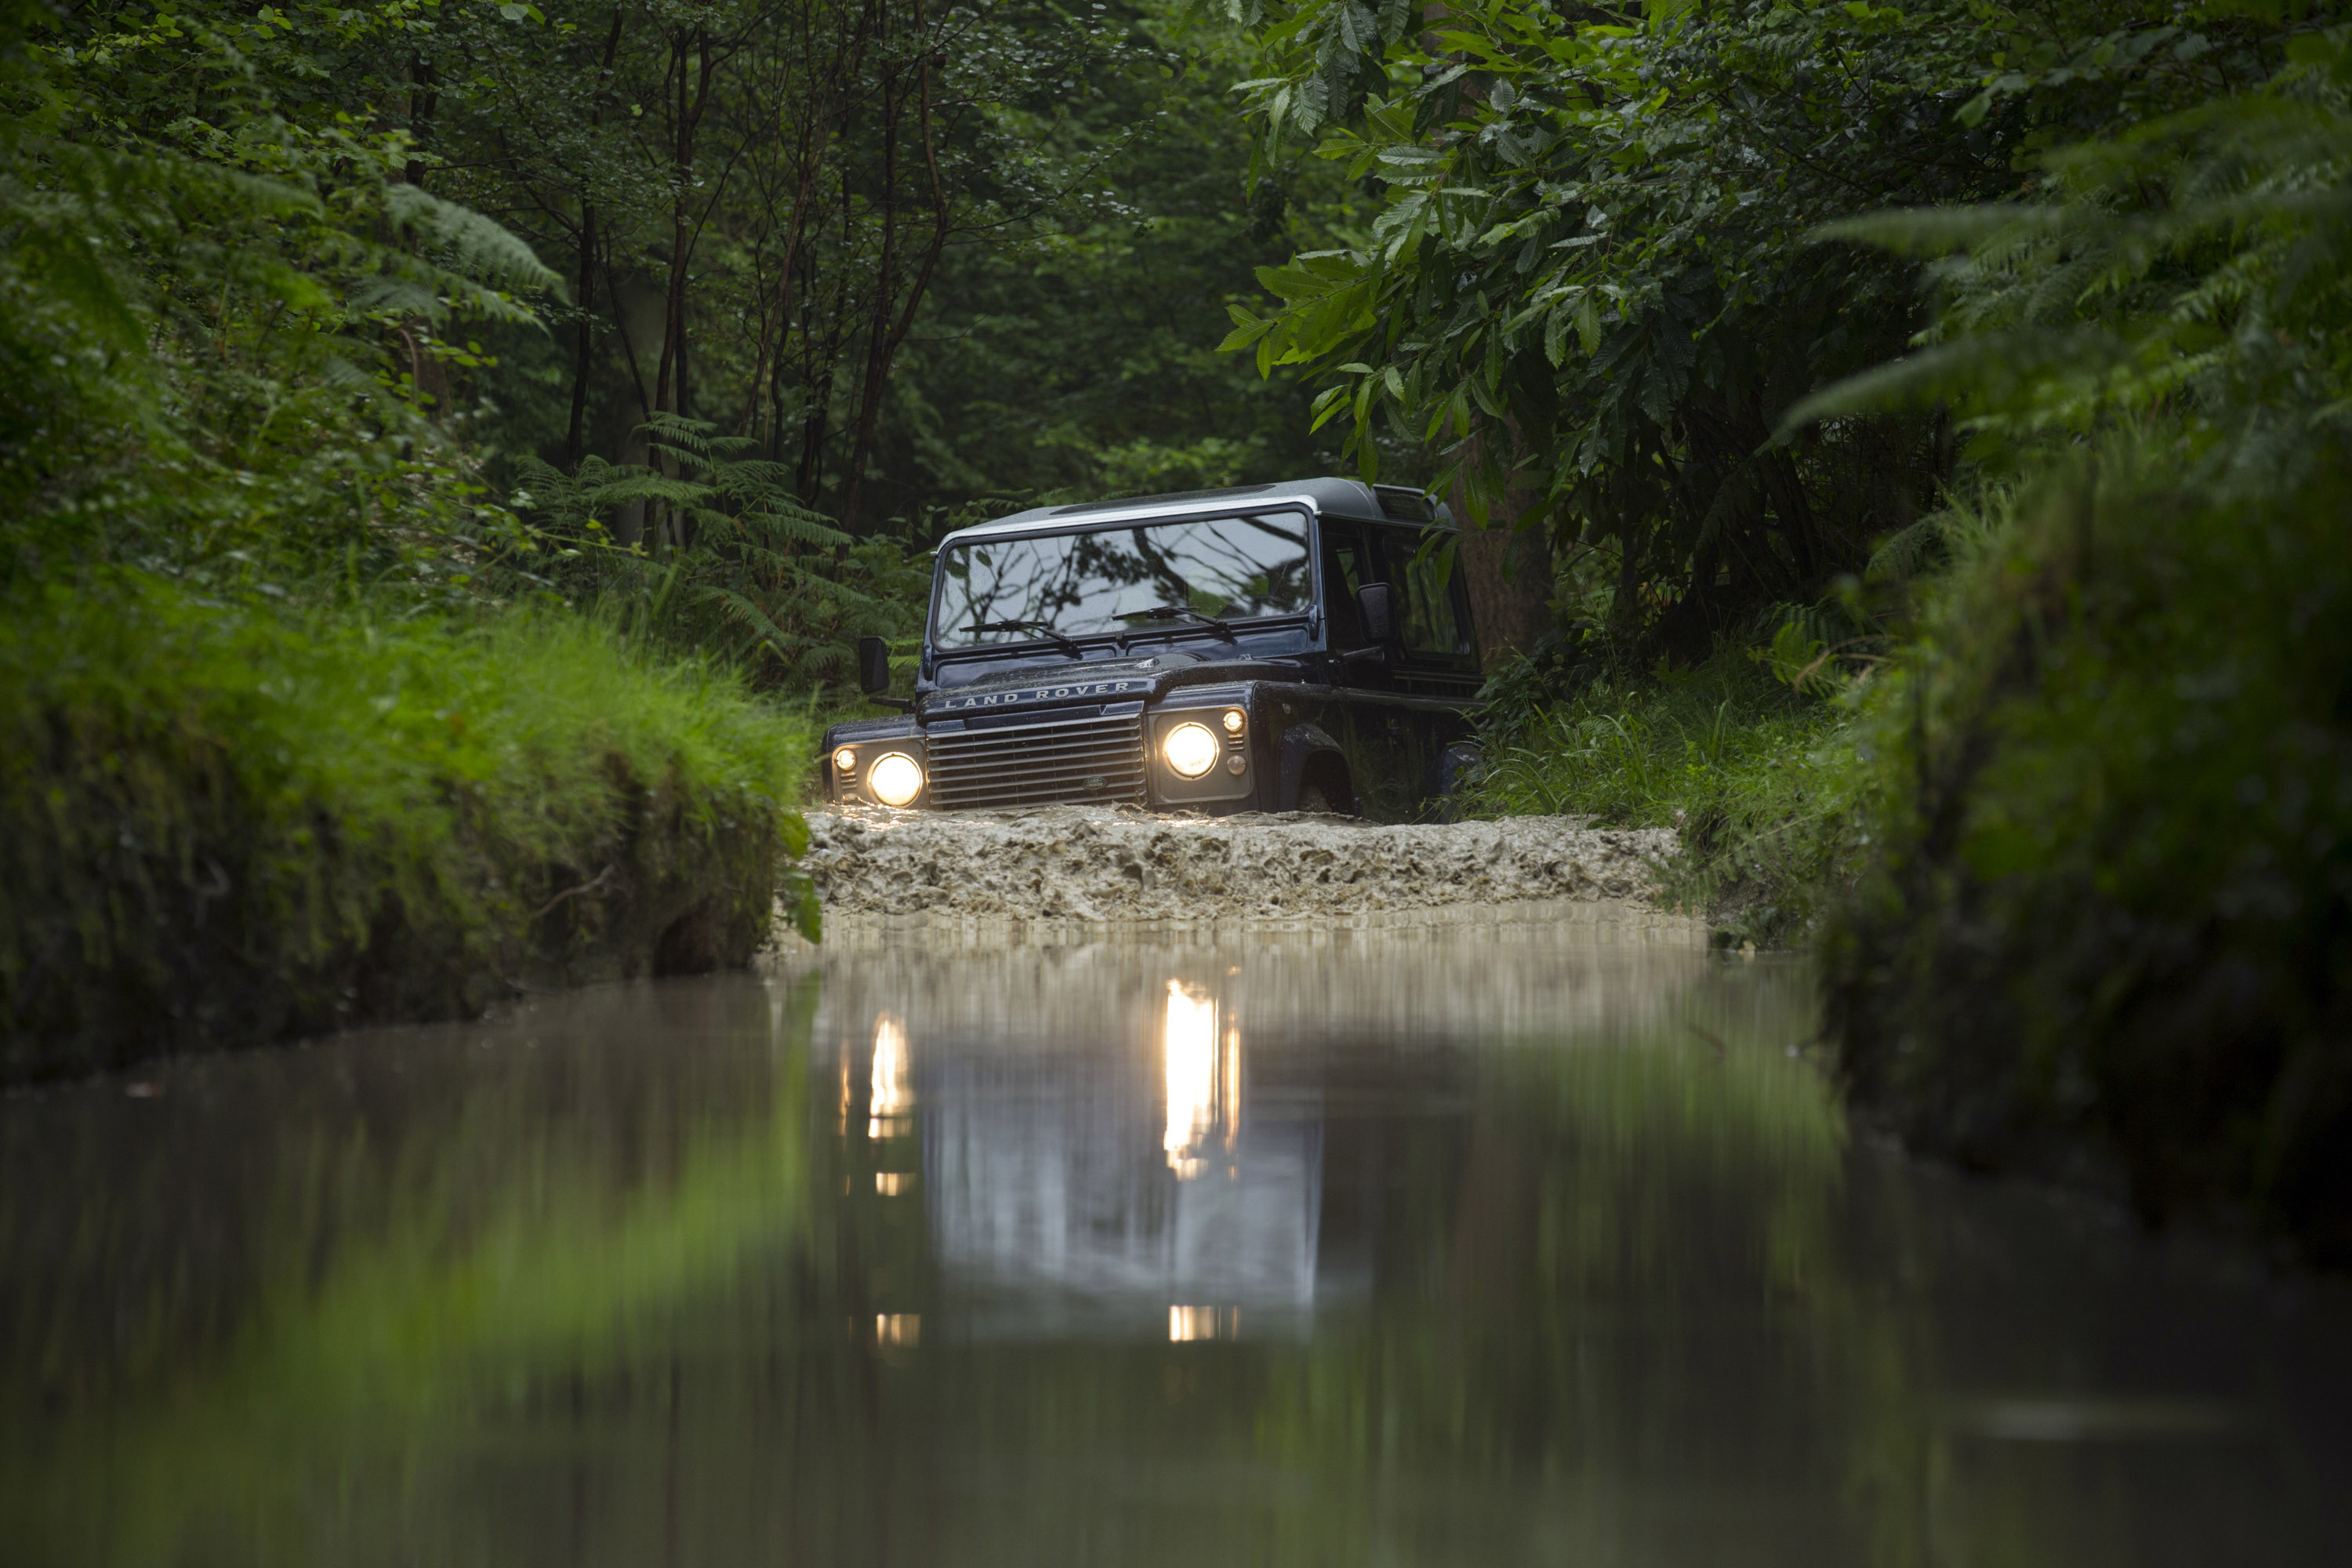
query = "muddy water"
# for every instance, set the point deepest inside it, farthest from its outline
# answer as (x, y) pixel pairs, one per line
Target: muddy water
(1538, 1243)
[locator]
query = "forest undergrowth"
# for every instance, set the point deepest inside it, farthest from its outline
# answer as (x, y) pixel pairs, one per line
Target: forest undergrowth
(1757, 778)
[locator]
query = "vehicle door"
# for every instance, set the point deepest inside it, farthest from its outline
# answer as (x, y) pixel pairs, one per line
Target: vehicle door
(1435, 664)
(1370, 720)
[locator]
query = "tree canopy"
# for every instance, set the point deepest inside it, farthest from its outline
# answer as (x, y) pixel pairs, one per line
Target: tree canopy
(1598, 285)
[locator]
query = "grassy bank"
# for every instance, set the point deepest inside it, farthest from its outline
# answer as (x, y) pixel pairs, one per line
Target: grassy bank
(232, 821)
(2077, 854)
(1759, 777)
(2106, 930)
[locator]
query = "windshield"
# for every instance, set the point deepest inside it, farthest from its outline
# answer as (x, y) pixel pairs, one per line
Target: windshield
(1138, 579)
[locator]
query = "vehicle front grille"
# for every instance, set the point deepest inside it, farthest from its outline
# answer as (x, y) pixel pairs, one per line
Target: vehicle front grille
(1089, 758)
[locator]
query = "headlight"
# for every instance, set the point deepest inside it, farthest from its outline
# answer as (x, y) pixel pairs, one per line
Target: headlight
(1190, 748)
(846, 760)
(1234, 719)
(895, 778)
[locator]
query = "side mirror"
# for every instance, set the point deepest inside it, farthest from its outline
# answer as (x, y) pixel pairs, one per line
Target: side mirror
(1374, 606)
(872, 665)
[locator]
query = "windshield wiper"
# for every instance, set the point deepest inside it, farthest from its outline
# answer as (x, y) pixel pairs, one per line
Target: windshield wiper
(1043, 628)
(1172, 612)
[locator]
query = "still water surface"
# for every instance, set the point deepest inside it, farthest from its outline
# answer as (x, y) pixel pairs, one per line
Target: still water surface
(1538, 1243)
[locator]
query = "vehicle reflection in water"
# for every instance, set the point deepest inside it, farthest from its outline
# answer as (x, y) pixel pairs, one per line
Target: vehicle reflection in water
(1525, 1244)
(1050, 1216)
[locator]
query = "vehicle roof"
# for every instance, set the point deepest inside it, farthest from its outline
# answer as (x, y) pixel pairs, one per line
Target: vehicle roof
(1349, 497)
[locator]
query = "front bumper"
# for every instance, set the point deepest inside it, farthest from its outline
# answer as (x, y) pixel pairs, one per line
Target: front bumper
(1109, 754)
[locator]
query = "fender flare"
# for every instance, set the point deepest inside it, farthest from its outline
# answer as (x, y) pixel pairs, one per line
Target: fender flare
(1301, 745)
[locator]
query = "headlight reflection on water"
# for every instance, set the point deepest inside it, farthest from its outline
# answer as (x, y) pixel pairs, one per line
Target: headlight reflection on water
(1203, 1077)
(891, 1098)
(1186, 1324)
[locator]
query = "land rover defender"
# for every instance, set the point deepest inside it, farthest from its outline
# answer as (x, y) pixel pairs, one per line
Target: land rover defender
(1267, 647)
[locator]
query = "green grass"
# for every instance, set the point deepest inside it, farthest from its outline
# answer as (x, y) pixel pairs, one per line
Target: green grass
(1759, 780)
(232, 821)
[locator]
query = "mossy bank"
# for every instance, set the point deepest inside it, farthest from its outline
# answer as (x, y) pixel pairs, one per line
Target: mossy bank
(232, 823)
(2106, 929)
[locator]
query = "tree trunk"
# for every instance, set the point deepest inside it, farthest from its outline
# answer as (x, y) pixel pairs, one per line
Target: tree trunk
(892, 333)
(877, 332)
(680, 219)
(584, 339)
(816, 426)
(1507, 570)
(428, 378)
(639, 314)
(809, 166)
(1794, 512)
(669, 380)
(422, 99)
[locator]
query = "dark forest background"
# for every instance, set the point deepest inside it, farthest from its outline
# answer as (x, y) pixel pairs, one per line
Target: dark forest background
(917, 256)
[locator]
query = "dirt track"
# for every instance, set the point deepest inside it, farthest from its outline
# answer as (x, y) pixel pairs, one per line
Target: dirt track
(1120, 865)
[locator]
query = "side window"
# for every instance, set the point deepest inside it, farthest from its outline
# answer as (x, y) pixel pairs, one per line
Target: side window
(1424, 606)
(1345, 570)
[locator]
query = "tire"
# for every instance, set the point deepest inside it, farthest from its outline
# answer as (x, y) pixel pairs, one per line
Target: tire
(1311, 797)
(1458, 773)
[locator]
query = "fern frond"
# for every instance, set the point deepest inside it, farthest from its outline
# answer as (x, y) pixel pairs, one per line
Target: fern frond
(1986, 369)
(644, 484)
(743, 612)
(479, 249)
(1908, 553)
(799, 528)
(1937, 231)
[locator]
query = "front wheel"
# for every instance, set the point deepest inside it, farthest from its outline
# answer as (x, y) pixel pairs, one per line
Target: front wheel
(1458, 770)
(1311, 797)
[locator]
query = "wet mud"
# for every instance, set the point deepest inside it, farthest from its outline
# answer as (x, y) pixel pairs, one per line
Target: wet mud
(1119, 867)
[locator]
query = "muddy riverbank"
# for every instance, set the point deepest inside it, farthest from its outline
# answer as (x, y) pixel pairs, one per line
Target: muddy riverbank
(1104, 865)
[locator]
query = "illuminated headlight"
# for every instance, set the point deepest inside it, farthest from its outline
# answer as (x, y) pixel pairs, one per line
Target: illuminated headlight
(895, 778)
(846, 760)
(1190, 749)
(1234, 720)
